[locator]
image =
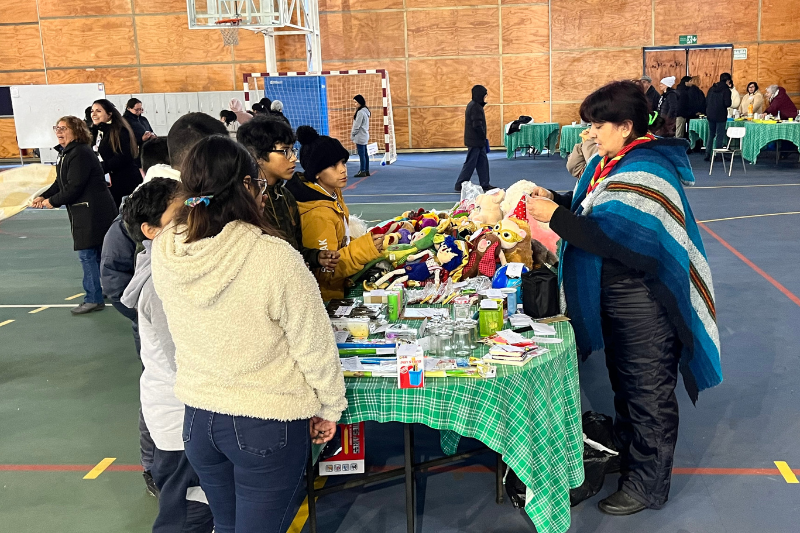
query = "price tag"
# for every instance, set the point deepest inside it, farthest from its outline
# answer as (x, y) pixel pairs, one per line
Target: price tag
(514, 270)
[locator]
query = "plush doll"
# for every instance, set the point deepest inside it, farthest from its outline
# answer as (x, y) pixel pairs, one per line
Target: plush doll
(514, 194)
(487, 207)
(539, 231)
(400, 253)
(405, 236)
(483, 260)
(453, 255)
(515, 240)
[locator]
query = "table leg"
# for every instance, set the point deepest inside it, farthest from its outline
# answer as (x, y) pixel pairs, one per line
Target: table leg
(408, 437)
(499, 479)
(312, 500)
(777, 151)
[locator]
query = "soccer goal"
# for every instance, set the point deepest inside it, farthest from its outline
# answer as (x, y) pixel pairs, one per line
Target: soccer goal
(325, 101)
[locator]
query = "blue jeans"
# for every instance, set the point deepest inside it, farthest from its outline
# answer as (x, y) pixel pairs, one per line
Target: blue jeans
(90, 261)
(173, 476)
(250, 469)
(363, 158)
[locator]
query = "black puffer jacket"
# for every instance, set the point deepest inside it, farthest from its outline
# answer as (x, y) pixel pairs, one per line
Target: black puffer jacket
(121, 166)
(475, 119)
(80, 186)
(668, 105)
(718, 101)
(139, 125)
(684, 100)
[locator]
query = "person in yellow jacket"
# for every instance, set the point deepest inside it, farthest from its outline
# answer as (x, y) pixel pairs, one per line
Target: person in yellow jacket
(324, 216)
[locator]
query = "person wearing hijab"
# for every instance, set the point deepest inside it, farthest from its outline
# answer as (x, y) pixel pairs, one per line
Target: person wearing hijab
(242, 116)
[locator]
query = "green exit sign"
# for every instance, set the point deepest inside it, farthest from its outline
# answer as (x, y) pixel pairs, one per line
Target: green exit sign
(688, 39)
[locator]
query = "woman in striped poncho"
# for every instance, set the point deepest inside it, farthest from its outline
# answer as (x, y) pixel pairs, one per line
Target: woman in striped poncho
(636, 282)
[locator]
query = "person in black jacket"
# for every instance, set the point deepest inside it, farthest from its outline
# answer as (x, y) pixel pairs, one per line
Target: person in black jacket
(115, 142)
(475, 140)
(685, 106)
(139, 124)
(650, 92)
(717, 103)
(668, 107)
(80, 186)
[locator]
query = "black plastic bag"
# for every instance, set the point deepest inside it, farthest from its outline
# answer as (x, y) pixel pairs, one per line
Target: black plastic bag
(599, 428)
(515, 489)
(540, 293)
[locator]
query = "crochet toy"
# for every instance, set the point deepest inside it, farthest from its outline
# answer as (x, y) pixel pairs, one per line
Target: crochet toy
(485, 257)
(538, 231)
(487, 207)
(400, 253)
(515, 240)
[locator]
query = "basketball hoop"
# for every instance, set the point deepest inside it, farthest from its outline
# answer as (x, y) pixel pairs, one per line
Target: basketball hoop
(229, 28)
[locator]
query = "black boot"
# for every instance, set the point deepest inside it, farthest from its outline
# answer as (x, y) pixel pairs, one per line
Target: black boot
(620, 504)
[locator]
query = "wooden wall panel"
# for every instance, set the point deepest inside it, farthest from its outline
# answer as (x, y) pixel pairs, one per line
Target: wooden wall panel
(526, 29)
(450, 81)
(437, 127)
(592, 23)
(117, 80)
(168, 39)
(188, 78)
(662, 63)
(83, 8)
(33, 77)
(746, 70)
(84, 42)
(20, 48)
(576, 74)
(494, 126)
(709, 65)
(539, 112)
(566, 113)
(447, 3)
(401, 132)
(8, 138)
(780, 20)
(362, 35)
(18, 11)
(288, 47)
(713, 22)
(396, 70)
(526, 79)
(251, 48)
(349, 5)
(504, 2)
(453, 32)
(160, 6)
(778, 63)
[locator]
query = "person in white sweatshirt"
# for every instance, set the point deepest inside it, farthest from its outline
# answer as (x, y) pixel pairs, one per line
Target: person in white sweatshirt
(257, 363)
(182, 506)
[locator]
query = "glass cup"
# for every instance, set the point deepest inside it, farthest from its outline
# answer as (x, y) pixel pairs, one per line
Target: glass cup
(462, 341)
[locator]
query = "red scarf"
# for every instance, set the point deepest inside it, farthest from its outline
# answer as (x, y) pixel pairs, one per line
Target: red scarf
(605, 166)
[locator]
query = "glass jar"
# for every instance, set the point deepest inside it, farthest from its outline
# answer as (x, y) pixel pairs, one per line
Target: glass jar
(444, 342)
(462, 341)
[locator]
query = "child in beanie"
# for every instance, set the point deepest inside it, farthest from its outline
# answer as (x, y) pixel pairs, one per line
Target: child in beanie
(324, 215)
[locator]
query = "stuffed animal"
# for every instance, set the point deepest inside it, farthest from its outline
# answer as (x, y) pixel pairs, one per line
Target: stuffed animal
(487, 207)
(483, 260)
(453, 255)
(539, 231)
(400, 253)
(514, 194)
(515, 240)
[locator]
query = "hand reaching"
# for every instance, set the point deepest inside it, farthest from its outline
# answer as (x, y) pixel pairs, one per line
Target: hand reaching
(328, 258)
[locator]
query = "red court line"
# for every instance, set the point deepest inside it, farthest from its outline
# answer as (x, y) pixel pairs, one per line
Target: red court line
(67, 468)
(786, 292)
(354, 185)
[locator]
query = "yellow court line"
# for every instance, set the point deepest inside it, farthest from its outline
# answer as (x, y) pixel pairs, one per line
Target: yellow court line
(744, 186)
(75, 296)
(786, 472)
(100, 468)
(37, 310)
(302, 514)
(6, 322)
(750, 216)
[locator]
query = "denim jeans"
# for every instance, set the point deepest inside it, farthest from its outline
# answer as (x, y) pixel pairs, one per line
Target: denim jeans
(363, 158)
(90, 261)
(250, 469)
(173, 476)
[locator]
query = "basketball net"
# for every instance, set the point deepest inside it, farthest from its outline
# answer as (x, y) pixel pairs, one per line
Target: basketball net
(229, 28)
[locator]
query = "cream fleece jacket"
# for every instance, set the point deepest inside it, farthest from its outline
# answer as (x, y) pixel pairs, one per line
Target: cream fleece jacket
(252, 337)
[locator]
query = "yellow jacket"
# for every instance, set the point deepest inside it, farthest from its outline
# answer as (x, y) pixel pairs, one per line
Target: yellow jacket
(325, 226)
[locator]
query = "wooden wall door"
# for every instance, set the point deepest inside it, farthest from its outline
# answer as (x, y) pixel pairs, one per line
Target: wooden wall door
(659, 64)
(709, 63)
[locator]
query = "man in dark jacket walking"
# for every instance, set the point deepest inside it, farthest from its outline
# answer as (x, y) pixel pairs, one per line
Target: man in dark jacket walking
(475, 140)
(650, 92)
(717, 103)
(139, 124)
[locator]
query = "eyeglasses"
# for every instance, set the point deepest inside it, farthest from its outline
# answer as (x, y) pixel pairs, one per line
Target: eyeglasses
(288, 153)
(60, 129)
(262, 184)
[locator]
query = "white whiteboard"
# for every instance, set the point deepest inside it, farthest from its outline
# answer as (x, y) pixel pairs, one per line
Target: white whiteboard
(38, 107)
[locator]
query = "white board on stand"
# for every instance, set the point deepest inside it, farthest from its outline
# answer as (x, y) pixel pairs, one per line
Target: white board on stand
(38, 107)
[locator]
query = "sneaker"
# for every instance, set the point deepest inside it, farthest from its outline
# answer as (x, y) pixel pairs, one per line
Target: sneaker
(86, 307)
(488, 187)
(359, 175)
(152, 489)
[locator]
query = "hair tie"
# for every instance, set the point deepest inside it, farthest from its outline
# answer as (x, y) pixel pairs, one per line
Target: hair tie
(653, 117)
(197, 200)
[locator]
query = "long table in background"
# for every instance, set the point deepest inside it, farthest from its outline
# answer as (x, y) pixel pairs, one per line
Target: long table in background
(538, 135)
(757, 137)
(570, 136)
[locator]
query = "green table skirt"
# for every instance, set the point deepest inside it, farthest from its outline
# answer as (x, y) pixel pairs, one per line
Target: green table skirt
(757, 137)
(539, 135)
(570, 136)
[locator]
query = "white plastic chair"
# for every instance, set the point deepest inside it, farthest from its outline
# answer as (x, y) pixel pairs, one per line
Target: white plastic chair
(732, 133)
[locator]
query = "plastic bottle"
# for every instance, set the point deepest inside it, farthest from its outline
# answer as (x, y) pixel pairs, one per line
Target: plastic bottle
(750, 111)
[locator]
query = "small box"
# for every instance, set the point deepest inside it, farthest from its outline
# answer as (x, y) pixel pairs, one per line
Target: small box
(350, 459)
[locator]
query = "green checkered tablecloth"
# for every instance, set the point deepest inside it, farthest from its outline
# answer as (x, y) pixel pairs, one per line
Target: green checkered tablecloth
(760, 135)
(570, 136)
(531, 415)
(539, 135)
(698, 130)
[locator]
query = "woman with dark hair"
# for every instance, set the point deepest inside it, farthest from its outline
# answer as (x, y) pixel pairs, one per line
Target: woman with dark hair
(229, 118)
(752, 98)
(257, 364)
(360, 134)
(80, 186)
(115, 143)
(636, 283)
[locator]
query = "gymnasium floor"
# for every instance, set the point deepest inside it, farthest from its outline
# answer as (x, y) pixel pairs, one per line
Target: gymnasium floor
(69, 385)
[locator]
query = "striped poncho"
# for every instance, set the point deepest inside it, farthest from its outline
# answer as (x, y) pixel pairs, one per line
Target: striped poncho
(641, 207)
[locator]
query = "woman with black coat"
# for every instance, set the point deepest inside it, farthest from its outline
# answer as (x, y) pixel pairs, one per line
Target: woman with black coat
(81, 187)
(115, 142)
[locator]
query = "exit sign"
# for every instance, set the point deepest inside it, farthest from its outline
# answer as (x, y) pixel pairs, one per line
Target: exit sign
(688, 39)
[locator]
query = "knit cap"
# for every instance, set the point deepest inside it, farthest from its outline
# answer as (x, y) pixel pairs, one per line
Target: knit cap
(318, 152)
(669, 81)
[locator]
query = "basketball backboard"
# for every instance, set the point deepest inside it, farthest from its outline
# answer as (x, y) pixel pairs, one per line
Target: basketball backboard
(253, 14)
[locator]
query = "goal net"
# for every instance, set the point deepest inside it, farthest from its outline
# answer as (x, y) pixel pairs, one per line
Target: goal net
(325, 101)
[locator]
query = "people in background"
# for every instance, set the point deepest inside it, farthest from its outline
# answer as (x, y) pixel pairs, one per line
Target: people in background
(736, 98)
(255, 382)
(155, 158)
(271, 142)
(359, 134)
(475, 140)
(266, 104)
(187, 131)
(685, 106)
(637, 284)
(181, 504)
(230, 120)
(581, 153)
(139, 123)
(718, 101)
(779, 102)
(115, 143)
(242, 116)
(668, 107)
(81, 187)
(87, 118)
(752, 101)
(277, 111)
(258, 109)
(323, 213)
(653, 97)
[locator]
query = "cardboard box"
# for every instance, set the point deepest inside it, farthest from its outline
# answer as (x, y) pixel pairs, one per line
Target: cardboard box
(350, 460)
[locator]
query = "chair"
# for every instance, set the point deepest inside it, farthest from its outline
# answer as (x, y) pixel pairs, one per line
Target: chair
(732, 133)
